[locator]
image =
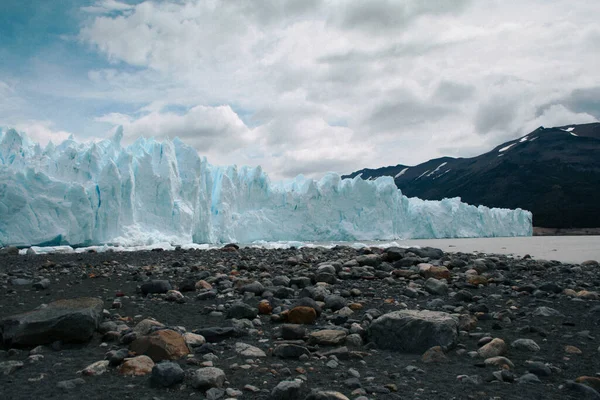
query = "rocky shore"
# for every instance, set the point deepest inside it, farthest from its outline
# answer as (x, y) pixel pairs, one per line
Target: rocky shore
(308, 323)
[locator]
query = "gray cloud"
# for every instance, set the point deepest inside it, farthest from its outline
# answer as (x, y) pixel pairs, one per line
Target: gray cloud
(584, 101)
(379, 16)
(448, 91)
(401, 109)
(496, 114)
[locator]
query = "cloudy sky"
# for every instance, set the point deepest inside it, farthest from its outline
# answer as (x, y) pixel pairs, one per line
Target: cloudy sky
(301, 86)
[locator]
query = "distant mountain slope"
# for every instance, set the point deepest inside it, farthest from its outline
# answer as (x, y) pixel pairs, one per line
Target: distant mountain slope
(554, 173)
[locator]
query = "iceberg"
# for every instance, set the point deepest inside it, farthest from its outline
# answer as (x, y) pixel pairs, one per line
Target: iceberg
(84, 194)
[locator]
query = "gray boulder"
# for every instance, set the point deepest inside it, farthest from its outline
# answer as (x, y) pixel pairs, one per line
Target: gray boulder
(413, 331)
(71, 320)
(167, 374)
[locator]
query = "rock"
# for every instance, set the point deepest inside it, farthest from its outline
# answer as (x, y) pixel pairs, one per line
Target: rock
(477, 280)
(8, 367)
(116, 357)
(136, 366)
(72, 320)
(538, 368)
(288, 390)
(494, 348)
(528, 378)
(95, 369)
(242, 311)
(290, 351)
(281, 280)
(427, 252)
(264, 307)
(216, 333)
(9, 251)
(167, 374)
(145, 326)
(42, 285)
(302, 315)
(193, 339)
(590, 263)
(70, 384)
(546, 312)
(435, 286)
(430, 271)
(214, 393)
(467, 322)
(246, 350)
(525, 344)
(156, 287)
(499, 361)
(202, 284)
(327, 337)
(550, 287)
(328, 395)
(205, 378)
(255, 287)
(413, 331)
(334, 302)
(161, 345)
(572, 350)
(371, 260)
(591, 381)
(394, 253)
(174, 295)
(293, 332)
(434, 355)
(308, 302)
(584, 391)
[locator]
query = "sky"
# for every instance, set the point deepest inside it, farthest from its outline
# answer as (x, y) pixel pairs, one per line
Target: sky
(300, 86)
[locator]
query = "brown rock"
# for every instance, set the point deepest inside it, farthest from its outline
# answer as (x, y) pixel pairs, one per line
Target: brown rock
(431, 271)
(161, 345)
(592, 381)
(434, 355)
(355, 306)
(569, 292)
(584, 294)
(572, 350)
(264, 307)
(477, 280)
(202, 284)
(496, 347)
(136, 366)
(467, 322)
(302, 315)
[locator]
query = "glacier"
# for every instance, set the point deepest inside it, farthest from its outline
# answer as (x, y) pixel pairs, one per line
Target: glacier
(93, 193)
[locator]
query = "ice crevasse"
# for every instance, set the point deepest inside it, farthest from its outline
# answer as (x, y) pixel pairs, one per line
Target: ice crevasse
(156, 191)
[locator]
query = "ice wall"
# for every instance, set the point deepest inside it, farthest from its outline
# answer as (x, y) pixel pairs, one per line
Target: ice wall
(150, 191)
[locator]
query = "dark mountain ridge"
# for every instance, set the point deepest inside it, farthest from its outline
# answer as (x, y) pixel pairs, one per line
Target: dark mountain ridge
(553, 172)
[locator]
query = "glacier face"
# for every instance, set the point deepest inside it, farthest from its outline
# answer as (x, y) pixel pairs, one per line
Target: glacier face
(150, 191)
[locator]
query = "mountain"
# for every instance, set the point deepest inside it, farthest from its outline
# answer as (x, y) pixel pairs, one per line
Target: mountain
(552, 172)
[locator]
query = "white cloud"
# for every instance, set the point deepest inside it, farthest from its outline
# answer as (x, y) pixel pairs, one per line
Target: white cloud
(42, 132)
(559, 115)
(309, 86)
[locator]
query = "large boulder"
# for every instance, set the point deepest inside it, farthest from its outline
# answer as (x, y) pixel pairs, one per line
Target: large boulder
(70, 321)
(414, 331)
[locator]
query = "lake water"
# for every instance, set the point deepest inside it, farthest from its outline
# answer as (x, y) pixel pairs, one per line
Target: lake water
(570, 249)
